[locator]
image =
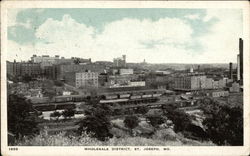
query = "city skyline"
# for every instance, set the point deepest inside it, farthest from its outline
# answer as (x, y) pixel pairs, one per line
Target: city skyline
(157, 35)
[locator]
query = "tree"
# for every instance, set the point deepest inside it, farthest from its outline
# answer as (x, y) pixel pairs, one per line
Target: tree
(119, 111)
(97, 122)
(55, 114)
(142, 110)
(50, 93)
(224, 125)
(155, 120)
(26, 78)
(12, 78)
(58, 83)
(77, 60)
(21, 120)
(128, 111)
(131, 122)
(183, 123)
(68, 113)
(180, 119)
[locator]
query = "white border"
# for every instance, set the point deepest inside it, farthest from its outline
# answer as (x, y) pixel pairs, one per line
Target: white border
(78, 150)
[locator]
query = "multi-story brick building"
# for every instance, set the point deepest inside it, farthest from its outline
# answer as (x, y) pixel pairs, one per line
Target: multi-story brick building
(235, 87)
(45, 60)
(113, 80)
(189, 82)
(209, 83)
(124, 71)
(198, 82)
(14, 68)
(59, 71)
(217, 93)
(23, 68)
(120, 62)
(31, 69)
(82, 79)
(49, 72)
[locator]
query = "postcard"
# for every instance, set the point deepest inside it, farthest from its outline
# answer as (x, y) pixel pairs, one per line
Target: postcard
(125, 78)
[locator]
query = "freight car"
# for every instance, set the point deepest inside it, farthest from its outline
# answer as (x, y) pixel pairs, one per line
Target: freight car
(135, 97)
(113, 101)
(124, 96)
(70, 98)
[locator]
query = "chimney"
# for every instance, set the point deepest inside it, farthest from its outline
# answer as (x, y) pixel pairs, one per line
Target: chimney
(238, 67)
(198, 68)
(230, 70)
(124, 57)
(241, 58)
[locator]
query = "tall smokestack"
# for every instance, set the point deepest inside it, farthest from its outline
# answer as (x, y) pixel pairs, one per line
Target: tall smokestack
(230, 70)
(238, 67)
(124, 60)
(124, 57)
(241, 58)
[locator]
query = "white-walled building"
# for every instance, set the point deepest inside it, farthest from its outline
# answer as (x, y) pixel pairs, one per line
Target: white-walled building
(45, 60)
(124, 71)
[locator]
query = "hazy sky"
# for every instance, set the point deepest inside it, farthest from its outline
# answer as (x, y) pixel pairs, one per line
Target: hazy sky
(157, 35)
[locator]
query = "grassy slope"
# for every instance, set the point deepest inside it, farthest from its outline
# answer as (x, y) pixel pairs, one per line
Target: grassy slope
(162, 137)
(84, 140)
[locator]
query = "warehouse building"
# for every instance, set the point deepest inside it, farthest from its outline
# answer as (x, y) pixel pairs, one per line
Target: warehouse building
(82, 79)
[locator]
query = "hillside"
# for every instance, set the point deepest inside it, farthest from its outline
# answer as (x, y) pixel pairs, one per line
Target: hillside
(84, 140)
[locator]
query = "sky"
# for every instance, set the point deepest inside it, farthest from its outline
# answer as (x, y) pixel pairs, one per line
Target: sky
(158, 35)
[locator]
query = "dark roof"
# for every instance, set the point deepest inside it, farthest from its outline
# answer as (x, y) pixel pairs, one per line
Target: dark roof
(128, 89)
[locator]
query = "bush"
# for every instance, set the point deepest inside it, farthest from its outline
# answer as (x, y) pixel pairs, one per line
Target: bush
(55, 114)
(165, 134)
(131, 122)
(26, 78)
(142, 110)
(128, 111)
(119, 111)
(195, 132)
(68, 113)
(85, 140)
(58, 83)
(58, 140)
(155, 120)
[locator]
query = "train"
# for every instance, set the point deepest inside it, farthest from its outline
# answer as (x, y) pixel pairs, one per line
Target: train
(70, 98)
(105, 97)
(113, 99)
(118, 100)
(132, 97)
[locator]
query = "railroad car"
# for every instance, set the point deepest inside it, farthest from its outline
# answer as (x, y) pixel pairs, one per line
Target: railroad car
(78, 98)
(124, 96)
(135, 97)
(63, 99)
(157, 94)
(70, 98)
(110, 96)
(113, 101)
(147, 96)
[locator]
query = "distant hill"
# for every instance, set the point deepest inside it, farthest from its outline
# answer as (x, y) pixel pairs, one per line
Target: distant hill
(179, 66)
